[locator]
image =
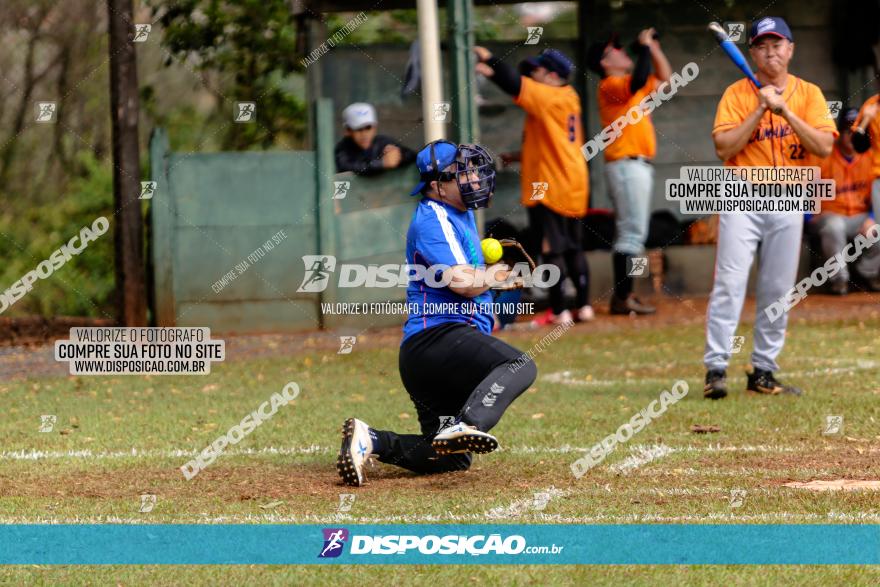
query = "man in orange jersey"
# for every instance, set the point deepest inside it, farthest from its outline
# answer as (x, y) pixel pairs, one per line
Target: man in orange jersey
(782, 124)
(554, 177)
(629, 159)
(849, 213)
(866, 136)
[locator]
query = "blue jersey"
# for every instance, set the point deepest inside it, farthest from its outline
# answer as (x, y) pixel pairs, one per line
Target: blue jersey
(442, 235)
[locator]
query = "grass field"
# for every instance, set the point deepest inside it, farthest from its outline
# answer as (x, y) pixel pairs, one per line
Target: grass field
(117, 438)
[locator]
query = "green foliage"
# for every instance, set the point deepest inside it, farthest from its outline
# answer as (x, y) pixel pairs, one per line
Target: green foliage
(84, 285)
(389, 27)
(252, 45)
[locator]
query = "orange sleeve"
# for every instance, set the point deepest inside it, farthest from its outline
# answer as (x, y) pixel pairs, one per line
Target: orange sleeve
(817, 111)
(862, 109)
(533, 96)
(730, 111)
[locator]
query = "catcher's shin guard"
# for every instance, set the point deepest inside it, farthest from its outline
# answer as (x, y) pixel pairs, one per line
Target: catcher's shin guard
(497, 391)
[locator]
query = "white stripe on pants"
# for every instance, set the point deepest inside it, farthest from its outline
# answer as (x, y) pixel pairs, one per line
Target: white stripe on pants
(738, 238)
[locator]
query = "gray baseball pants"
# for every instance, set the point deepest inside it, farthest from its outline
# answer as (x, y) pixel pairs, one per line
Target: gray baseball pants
(835, 231)
(739, 235)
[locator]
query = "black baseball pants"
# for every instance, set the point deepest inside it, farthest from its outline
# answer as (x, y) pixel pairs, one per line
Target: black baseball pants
(448, 371)
(560, 239)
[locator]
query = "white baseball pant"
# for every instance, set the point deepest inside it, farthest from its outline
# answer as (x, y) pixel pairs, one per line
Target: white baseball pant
(779, 236)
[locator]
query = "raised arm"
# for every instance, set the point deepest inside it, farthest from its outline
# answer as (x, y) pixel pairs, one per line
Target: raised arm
(502, 74)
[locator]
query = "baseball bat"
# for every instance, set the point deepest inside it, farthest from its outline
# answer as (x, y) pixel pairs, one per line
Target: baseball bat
(733, 52)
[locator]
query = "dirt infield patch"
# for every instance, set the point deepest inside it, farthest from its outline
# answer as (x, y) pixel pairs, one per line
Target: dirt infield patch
(228, 483)
(270, 480)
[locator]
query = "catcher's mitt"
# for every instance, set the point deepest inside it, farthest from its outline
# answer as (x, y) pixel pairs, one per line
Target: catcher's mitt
(514, 253)
(513, 249)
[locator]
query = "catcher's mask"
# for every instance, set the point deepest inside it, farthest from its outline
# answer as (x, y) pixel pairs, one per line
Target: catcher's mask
(474, 171)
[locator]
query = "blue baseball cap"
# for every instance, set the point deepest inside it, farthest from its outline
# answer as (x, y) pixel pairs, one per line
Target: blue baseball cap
(551, 59)
(432, 159)
(771, 25)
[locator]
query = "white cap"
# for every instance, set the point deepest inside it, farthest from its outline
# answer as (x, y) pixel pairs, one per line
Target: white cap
(359, 115)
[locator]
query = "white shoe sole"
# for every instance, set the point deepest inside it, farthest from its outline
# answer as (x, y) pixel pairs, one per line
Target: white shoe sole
(468, 441)
(345, 464)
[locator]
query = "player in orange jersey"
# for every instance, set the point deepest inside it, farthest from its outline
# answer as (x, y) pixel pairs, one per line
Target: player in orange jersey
(783, 124)
(554, 176)
(849, 213)
(866, 136)
(629, 158)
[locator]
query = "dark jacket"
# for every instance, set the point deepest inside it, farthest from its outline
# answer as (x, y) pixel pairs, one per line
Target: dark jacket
(350, 157)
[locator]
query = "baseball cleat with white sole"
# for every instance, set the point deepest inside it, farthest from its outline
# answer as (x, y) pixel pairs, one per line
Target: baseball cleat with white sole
(586, 313)
(357, 447)
(461, 438)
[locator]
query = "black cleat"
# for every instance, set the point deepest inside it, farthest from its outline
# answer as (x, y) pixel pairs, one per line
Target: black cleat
(631, 305)
(839, 287)
(763, 382)
(716, 384)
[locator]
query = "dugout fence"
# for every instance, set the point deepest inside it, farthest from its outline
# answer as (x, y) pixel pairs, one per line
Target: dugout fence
(231, 233)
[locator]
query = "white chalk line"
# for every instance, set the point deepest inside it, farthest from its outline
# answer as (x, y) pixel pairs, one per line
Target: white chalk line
(37, 455)
(156, 517)
(641, 455)
(794, 359)
(606, 489)
(568, 377)
(522, 507)
(86, 454)
(761, 473)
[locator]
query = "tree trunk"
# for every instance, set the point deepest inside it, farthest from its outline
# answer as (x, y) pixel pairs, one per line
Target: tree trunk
(128, 236)
(28, 84)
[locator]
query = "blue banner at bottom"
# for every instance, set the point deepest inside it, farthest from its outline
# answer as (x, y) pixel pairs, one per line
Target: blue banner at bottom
(639, 544)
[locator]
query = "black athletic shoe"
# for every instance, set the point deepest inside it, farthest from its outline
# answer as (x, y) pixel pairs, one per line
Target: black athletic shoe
(716, 384)
(839, 288)
(763, 382)
(631, 304)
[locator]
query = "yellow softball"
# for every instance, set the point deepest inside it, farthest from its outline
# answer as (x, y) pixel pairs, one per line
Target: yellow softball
(492, 250)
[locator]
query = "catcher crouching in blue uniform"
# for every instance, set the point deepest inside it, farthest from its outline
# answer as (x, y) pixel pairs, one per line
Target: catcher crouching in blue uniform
(460, 378)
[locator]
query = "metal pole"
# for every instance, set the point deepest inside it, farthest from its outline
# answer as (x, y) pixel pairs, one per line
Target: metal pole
(432, 80)
(462, 59)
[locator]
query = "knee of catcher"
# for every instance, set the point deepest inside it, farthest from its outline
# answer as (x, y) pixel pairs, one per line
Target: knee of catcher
(526, 371)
